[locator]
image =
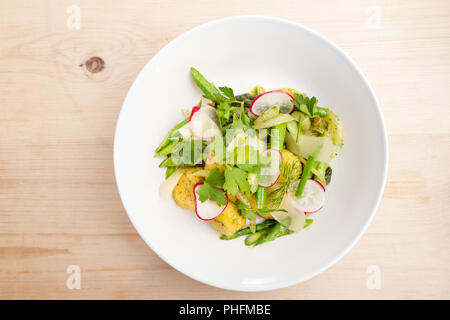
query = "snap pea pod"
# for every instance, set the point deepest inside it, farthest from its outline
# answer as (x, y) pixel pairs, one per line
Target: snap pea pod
(246, 231)
(261, 197)
(167, 149)
(167, 163)
(167, 141)
(170, 171)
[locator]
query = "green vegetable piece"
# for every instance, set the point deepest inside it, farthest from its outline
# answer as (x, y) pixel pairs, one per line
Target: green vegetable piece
(308, 222)
(261, 198)
(253, 238)
(306, 174)
(170, 171)
(171, 133)
(278, 143)
(247, 231)
(167, 149)
(209, 89)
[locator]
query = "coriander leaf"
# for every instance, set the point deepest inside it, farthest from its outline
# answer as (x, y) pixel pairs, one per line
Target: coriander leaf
(216, 178)
(206, 191)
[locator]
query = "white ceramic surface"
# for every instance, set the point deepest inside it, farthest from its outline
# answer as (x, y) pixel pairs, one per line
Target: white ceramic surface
(240, 52)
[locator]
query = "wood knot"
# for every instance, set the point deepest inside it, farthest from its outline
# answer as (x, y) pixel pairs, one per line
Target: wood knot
(95, 64)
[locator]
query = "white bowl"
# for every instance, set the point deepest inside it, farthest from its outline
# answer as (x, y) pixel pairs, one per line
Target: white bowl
(240, 52)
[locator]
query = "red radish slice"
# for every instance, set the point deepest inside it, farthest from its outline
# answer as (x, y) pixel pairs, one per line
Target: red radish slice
(208, 110)
(312, 198)
(203, 127)
(211, 112)
(194, 110)
(271, 98)
(270, 173)
(209, 209)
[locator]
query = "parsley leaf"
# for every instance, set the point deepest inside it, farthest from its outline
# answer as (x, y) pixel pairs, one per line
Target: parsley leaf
(216, 178)
(228, 92)
(235, 179)
(223, 113)
(206, 191)
(305, 104)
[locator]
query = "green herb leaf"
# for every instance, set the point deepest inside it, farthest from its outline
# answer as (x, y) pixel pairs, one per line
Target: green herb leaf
(206, 191)
(305, 104)
(216, 178)
(235, 179)
(228, 92)
(209, 89)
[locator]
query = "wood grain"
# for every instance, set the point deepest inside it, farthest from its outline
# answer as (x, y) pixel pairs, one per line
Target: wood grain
(58, 199)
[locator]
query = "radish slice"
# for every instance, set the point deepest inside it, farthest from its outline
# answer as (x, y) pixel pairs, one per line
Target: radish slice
(270, 173)
(208, 109)
(272, 98)
(209, 209)
(203, 127)
(194, 111)
(185, 131)
(312, 198)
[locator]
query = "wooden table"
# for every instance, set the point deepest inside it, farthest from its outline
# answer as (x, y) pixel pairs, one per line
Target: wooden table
(59, 204)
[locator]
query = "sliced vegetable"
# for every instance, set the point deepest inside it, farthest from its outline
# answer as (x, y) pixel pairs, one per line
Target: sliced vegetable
(207, 210)
(203, 127)
(261, 197)
(166, 188)
(281, 118)
(271, 98)
(312, 198)
(270, 173)
(270, 113)
(306, 146)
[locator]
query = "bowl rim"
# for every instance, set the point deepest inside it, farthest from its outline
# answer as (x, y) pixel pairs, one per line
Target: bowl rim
(351, 63)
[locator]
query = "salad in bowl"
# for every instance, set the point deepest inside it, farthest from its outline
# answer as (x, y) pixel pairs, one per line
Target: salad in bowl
(253, 165)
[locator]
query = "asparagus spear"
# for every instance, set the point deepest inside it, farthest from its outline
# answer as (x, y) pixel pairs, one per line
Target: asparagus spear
(246, 231)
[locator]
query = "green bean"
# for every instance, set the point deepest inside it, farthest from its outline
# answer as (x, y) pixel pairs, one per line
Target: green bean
(306, 174)
(261, 197)
(246, 231)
